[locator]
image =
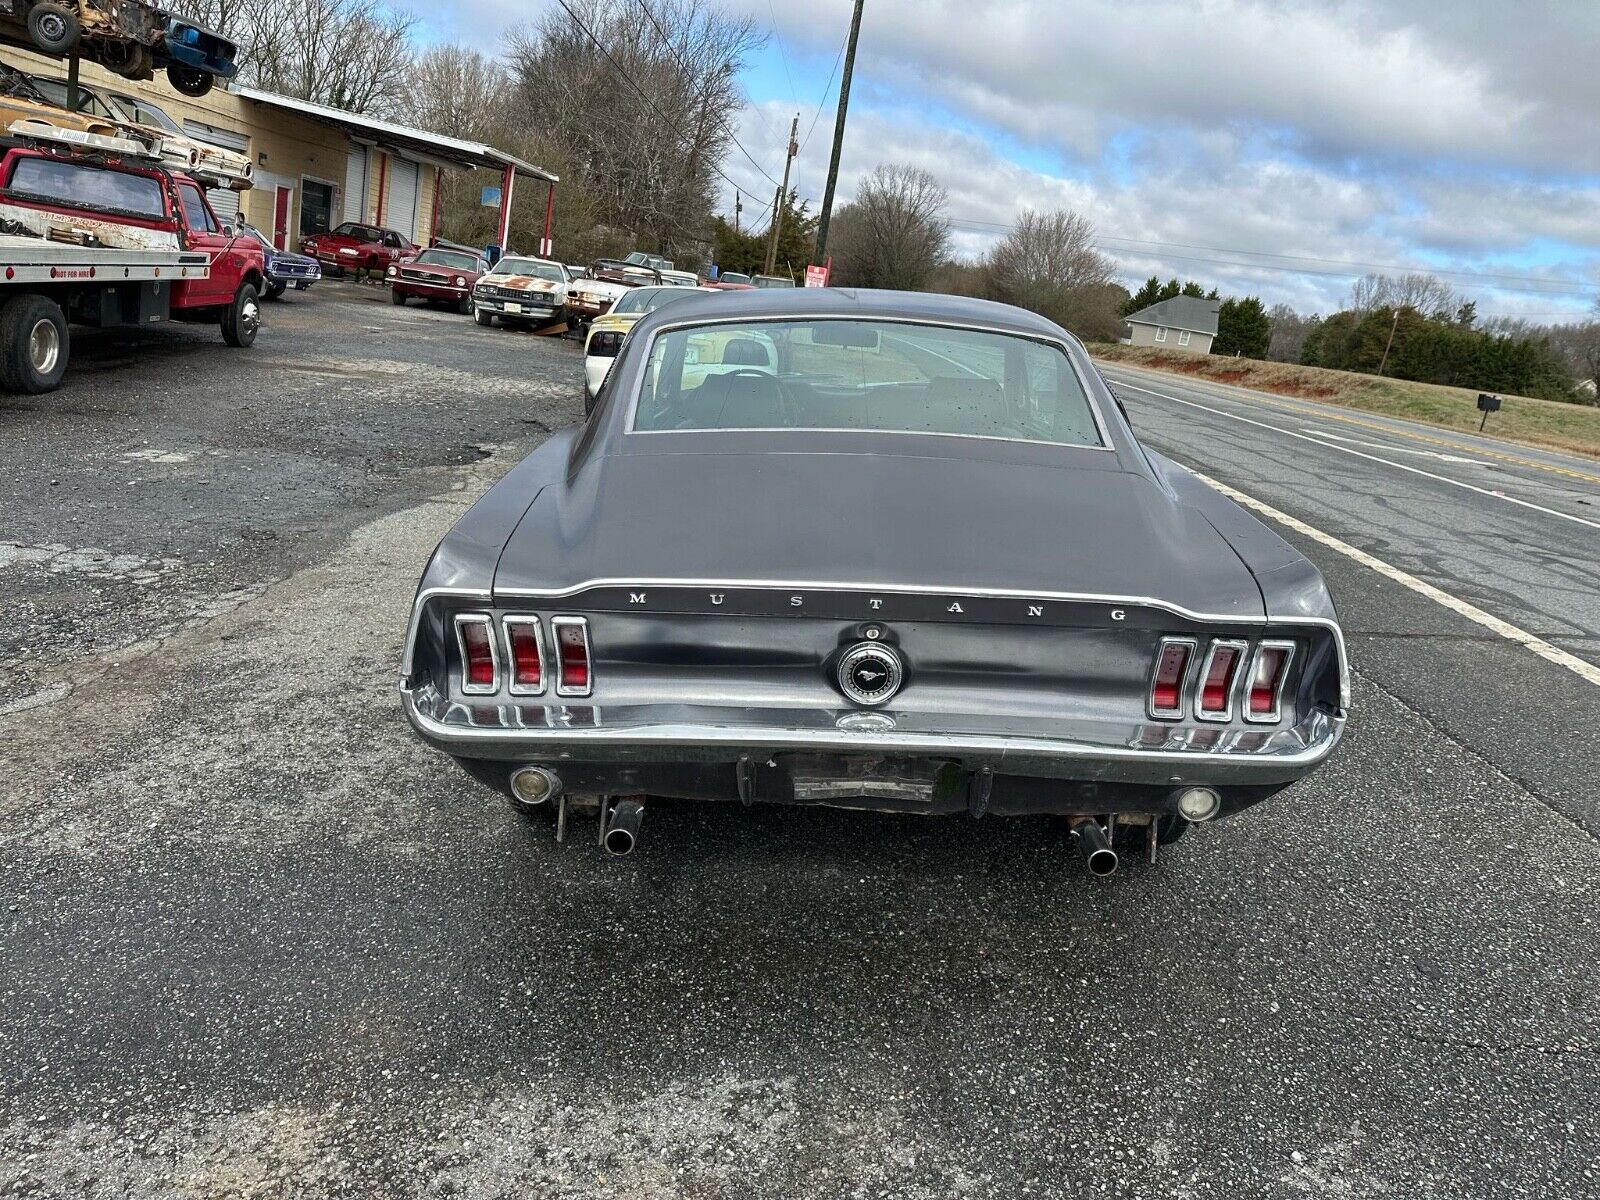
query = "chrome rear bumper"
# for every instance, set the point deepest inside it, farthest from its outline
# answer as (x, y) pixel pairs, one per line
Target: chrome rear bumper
(1149, 754)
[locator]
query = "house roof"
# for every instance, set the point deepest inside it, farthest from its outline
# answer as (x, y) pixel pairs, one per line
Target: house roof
(386, 134)
(1181, 312)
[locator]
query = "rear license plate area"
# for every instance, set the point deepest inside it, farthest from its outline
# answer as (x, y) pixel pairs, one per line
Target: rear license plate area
(820, 778)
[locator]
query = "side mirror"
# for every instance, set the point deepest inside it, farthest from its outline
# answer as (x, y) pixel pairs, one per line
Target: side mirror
(229, 230)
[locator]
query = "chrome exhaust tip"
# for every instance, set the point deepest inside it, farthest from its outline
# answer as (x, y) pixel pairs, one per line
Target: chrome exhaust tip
(1095, 847)
(621, 834)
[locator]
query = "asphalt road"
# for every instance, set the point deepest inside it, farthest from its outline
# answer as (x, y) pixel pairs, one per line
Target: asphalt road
(257, 942)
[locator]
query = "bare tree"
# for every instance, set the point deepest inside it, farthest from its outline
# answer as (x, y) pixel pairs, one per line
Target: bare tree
(1048, 263)
(1289, 333)
(456, 91)
(645, 123)
(349, 54)
(893, 234)
(1427, 294)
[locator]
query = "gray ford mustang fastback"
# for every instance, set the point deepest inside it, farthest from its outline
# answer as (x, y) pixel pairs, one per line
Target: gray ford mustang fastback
(877, 550)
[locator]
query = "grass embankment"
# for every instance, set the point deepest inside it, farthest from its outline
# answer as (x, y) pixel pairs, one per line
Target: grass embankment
(1550, 423)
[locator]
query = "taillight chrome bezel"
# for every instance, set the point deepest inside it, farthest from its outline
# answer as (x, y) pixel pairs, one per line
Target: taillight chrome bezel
(510, 624)
(1276, 713)
(1230, 695)
(462, 620)
(557, 624)
(1175, 713)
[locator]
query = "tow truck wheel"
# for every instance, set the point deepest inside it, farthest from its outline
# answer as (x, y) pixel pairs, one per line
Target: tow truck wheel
(53, 28)
(242, 321)
(34, 344)
(187, 81)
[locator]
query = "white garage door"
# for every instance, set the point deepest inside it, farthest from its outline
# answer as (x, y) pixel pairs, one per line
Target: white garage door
(355, 185)
(224, 202)
(400, 207)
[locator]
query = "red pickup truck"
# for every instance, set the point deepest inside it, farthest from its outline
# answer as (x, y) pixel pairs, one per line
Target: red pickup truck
(93, 239)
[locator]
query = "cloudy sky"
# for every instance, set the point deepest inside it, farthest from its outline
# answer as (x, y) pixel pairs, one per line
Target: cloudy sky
(1271, 148)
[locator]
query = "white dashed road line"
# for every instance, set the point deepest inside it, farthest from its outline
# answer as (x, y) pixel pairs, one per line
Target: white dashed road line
(1317, 441)
(1584, 670)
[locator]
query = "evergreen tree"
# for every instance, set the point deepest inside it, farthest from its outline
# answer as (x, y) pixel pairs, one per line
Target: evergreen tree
(1243, 327)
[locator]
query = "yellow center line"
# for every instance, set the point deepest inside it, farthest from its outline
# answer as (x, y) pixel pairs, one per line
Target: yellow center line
(1321, 412)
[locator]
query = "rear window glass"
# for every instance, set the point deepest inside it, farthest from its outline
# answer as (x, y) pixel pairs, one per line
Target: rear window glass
(82, 186)
(885, 376)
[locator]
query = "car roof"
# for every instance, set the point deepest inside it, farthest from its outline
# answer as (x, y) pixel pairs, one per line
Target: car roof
(860, 303)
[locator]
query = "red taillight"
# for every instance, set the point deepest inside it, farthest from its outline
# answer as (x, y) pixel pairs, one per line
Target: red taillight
(527, 655)
(572, 655)
(480, 664)
(1216, 681)
(1267, 675)
(1166, 683)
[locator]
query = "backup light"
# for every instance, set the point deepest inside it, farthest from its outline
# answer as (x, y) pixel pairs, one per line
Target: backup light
(1199, 803)
(534, 786)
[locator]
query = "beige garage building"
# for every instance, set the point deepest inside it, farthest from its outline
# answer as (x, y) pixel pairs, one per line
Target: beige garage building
(315, 166)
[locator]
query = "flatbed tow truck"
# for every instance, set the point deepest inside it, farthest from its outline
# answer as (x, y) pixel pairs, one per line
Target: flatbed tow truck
(151, 252)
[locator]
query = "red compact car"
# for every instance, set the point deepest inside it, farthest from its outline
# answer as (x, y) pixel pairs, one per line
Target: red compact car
(439, 275)
(358, 248)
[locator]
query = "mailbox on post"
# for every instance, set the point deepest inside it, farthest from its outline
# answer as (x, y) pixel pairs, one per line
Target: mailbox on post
(1486, 405)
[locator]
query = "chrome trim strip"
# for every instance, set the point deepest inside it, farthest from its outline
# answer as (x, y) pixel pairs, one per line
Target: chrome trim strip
(1175, 713)
(516, 620)
(556, 625)
(418, 604)
(1225, 713)
(1002, 330)
(478, 689)
(1276, 714)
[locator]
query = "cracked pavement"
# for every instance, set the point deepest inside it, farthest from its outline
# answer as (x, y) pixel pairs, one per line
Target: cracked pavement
(259, 942)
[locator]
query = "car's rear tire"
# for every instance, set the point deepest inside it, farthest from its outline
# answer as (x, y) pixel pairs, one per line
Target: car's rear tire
(242, 320)
(274, 290)
(187, 81)
(54, 29)
(482, 317)
(34, 344)
(397, 297)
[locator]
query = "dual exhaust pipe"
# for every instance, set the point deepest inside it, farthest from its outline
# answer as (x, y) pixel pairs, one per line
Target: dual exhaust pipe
(619, 826)
(1095, 846)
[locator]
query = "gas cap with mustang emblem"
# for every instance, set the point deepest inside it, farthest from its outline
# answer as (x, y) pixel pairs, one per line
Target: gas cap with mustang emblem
(870, 673)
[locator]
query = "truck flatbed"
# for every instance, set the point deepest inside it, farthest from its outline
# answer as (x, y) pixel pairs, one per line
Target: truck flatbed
(38, 260)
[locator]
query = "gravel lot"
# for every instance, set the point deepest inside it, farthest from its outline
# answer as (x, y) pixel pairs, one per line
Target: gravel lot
(258, 942)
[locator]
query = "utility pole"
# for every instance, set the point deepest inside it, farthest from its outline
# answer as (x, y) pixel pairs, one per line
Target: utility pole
(1385, 360)
(783, 191)
(838, 136)
(738, 207)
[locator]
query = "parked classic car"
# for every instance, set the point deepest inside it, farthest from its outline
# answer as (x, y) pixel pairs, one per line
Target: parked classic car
(771, 281)
(603, 283)
(606, 334)
(522, 292)
(354, 246)
(226, 167)
(437, 276)
(923, 566)
(129, 37)
(284, 268)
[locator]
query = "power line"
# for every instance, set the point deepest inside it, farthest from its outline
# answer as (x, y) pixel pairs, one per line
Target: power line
(827, 89)
(721, 120)
(598, 45)
(783, 54)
